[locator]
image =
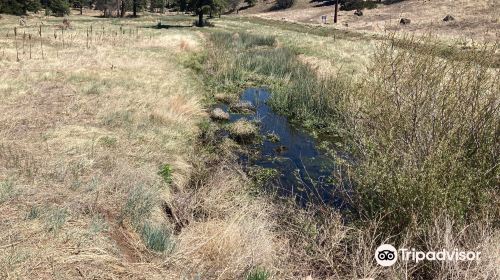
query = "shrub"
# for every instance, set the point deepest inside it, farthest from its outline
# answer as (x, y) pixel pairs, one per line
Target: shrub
(350, 5)
(427, 129)
(283, 4)
(251, 3)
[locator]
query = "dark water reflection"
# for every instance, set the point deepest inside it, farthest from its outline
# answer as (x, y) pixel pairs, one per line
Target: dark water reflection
(304, 169)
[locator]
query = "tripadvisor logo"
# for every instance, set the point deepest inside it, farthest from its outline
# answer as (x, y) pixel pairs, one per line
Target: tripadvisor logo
(387, 255)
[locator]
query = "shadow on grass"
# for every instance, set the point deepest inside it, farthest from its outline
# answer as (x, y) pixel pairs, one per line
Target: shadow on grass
(323, 3)
(245, 7)
(168, 26)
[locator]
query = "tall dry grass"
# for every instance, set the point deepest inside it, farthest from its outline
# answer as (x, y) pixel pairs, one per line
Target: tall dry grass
(99, 175)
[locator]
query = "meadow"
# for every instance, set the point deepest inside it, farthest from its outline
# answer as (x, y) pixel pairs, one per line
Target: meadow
(111, 168)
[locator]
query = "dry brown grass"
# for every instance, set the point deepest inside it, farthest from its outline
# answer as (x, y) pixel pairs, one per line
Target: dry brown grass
(243, 130)
(80, 129)
(84, 131)
(229, 232)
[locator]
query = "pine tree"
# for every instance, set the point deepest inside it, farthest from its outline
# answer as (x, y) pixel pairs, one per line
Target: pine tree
(59, 7)
(19, 7)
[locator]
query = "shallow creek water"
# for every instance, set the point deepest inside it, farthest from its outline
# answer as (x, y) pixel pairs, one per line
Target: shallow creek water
(304, 169)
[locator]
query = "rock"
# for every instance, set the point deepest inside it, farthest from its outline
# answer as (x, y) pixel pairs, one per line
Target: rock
(242, 107)
(405, 21)
(358, 12)
(219, 114)
(448, 18)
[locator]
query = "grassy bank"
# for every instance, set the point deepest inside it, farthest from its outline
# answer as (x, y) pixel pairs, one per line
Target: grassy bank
(100, 171)
(451, 50)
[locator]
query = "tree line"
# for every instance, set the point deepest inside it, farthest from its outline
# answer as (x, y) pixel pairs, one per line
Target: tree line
(121, 8)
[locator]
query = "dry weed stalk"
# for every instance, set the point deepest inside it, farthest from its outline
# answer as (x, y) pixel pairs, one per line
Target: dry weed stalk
(29, 42)
(41, 40)
(15, 43)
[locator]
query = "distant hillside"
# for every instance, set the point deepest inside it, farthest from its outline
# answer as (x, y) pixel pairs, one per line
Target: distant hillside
(472, 19)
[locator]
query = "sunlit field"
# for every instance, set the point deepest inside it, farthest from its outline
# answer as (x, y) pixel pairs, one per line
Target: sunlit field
(113, 166)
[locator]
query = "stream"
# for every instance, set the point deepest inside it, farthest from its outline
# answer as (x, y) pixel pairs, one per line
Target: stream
(304, 169)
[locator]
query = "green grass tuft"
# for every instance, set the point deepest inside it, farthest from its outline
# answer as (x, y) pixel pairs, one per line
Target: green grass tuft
(156, 238)
(33, 213)
(259, 274)
(140, 203)
(56, 219)
(7, 191)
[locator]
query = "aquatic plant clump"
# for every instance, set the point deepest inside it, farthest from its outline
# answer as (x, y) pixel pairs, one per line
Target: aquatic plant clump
(243, 130)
